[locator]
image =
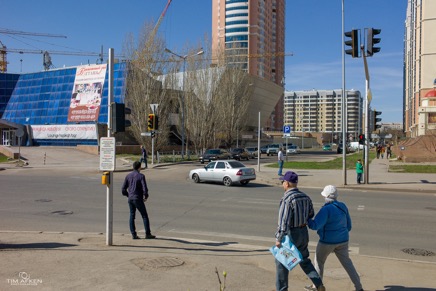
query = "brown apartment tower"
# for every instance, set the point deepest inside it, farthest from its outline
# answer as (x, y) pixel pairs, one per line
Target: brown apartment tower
(254, 29)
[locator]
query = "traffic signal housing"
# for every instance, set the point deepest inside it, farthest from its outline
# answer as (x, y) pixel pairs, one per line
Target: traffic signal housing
(353, 43)
(361, 139)
(118, 118)
(371, 41)
(150, 121)
(375, 120)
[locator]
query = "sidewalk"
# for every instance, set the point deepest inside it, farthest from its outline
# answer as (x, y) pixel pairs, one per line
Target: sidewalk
(379, 178)
(82, 261)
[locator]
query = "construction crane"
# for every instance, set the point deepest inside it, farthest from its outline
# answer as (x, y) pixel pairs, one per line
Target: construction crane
(47, 58)
(156, 27)
(4, 50)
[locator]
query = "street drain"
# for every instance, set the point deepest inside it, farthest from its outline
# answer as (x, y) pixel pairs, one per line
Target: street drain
(62, 212)
(418, 252)
(162, 262)
(43, 200)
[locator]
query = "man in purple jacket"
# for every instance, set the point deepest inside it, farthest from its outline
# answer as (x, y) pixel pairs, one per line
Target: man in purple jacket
(135, 188)
(333, 223)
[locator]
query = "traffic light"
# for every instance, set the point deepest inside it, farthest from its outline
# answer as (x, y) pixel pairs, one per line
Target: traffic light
(156, 122)
(371, 41)
(361, 139)
(150, 121)
(118, 118)
(353, 42)
(375, 120)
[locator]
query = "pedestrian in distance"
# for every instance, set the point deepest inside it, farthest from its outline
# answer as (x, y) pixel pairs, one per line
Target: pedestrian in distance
(295, 210)
(378, 149)
(359, 170)
(382, 152)
(143, 158)
(388, 151)
(333, 224)
(281, 160)
(135, 188)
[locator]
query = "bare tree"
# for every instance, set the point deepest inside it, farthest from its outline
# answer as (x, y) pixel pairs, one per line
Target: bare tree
(147, 61)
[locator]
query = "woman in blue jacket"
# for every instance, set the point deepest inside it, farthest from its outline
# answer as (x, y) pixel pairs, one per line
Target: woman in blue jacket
(333, 224)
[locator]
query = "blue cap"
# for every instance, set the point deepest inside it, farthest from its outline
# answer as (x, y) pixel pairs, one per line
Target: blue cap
(290, 177)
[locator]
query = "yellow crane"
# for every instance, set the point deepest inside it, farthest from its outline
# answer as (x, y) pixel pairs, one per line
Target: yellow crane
(4, 50)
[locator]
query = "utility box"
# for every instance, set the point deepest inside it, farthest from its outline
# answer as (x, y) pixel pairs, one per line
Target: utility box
(105, 180)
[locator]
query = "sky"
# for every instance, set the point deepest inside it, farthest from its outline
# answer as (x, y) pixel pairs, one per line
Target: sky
(313, 35)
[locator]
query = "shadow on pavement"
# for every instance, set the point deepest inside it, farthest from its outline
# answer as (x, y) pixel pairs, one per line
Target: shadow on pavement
(209, 246)
(402, 288)
(44, 245)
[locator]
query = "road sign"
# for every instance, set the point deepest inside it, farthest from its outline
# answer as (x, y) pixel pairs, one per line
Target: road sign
(287, 129)
(146, 133)
(107, 154)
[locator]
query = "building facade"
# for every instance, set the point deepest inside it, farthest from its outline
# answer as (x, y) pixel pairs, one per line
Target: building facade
(62, 107)
(419, 67)
(251, 33)
(320, 111)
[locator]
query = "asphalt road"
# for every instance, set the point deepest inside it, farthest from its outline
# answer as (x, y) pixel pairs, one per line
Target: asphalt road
(72, 200)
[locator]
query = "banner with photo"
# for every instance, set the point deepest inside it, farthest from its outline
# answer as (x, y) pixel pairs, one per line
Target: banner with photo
(87, 93)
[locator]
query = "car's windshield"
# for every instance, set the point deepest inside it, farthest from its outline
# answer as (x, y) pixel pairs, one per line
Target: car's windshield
(213, 152)
(236, 164)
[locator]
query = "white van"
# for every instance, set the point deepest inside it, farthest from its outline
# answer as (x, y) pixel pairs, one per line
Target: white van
(354, 145)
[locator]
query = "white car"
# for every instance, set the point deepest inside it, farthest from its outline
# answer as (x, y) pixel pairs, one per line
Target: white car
(293, 149)
(226, 172)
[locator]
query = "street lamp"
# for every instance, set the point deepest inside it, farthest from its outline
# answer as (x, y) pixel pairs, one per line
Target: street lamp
(200, 52)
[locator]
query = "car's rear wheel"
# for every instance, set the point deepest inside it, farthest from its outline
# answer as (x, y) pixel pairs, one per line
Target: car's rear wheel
(244, 183)
(227, 181)
(196, 178)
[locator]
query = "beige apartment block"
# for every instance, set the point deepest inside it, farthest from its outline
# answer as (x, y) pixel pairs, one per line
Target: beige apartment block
(420, 67)
(320, 111)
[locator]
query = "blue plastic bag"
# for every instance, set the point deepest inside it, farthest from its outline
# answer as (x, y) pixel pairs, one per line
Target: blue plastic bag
(287, 254)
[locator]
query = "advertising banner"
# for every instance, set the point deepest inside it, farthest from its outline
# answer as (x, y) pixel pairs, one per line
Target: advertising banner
(87, 93)
(76, 131)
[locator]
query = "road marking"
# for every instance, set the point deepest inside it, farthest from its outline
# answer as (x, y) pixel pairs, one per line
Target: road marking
(361, 207)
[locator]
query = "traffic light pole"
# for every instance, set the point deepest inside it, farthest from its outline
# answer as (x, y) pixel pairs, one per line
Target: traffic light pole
(368, 98)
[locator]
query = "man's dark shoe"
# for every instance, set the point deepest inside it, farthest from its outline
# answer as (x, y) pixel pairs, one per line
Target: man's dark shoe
(135, 236)
(150, 236)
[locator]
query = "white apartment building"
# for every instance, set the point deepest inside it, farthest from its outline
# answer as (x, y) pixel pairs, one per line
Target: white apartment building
(320, 111)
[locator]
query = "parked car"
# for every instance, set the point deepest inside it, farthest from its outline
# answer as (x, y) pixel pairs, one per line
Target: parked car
(252, 151)
(214, 154)
(293, 149)
(240, 154)
(327, 147)
(273, 149)
(340, 149)
(226, 172)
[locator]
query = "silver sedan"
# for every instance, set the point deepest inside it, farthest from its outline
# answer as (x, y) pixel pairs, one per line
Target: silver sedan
(227, 172)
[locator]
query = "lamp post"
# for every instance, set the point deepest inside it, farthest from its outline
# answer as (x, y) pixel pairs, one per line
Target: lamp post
(200, 52)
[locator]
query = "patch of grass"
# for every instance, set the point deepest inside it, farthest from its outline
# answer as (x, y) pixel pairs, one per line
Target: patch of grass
(335, 164)
(3, 158)
(413, 168)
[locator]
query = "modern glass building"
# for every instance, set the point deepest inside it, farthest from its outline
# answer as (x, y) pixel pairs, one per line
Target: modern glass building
(42, 105)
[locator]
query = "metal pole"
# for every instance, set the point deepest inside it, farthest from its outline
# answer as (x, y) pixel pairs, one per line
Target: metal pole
(258, 144)
(183, 106)
(109, 187)
(152, 150)
(344, 112)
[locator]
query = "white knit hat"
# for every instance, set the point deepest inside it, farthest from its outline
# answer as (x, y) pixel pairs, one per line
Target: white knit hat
(330, 192)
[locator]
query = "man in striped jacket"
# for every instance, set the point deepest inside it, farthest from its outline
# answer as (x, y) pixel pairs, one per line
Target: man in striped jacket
(295, 210)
